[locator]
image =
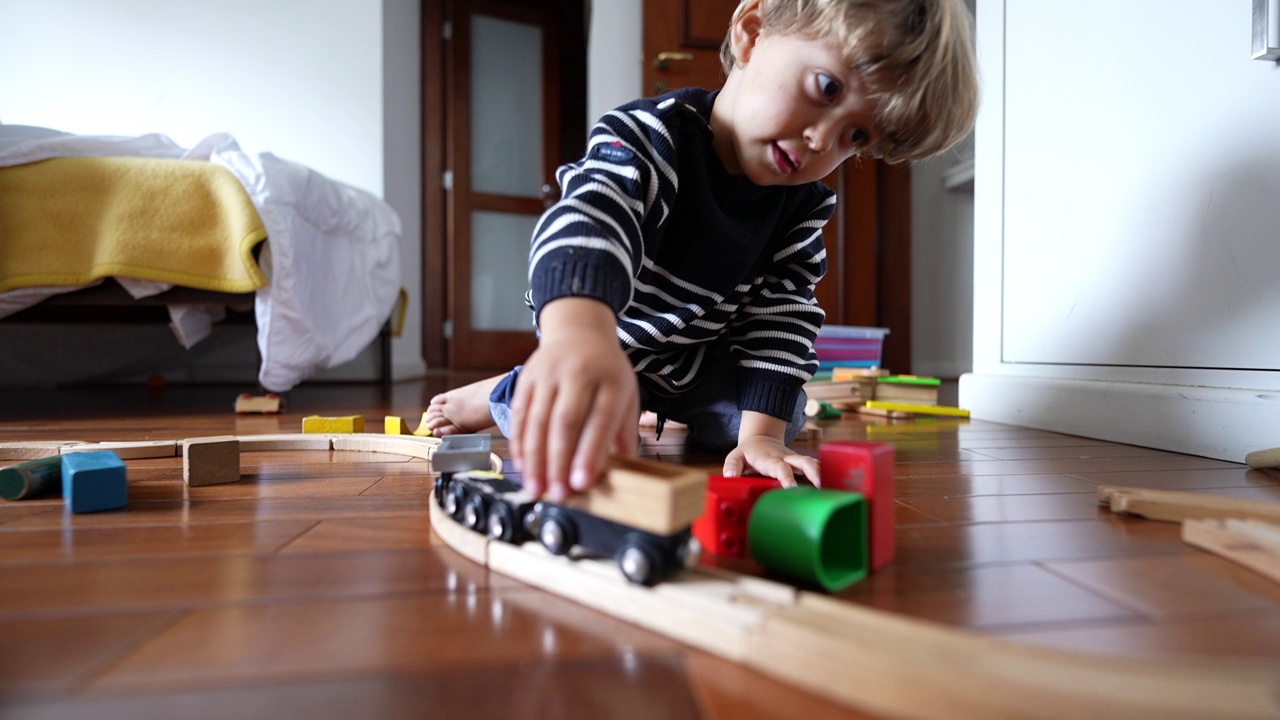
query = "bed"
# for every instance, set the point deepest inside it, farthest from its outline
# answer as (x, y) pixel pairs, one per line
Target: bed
(201, 229)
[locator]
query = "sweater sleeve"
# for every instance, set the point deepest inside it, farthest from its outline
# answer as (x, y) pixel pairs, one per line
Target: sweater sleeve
(774, 334)
(591, 242)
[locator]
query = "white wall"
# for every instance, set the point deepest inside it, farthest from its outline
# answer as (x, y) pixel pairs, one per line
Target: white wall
(332, 84)
(1127, 228)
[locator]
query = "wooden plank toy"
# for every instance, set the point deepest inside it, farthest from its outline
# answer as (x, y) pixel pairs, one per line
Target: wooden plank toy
(325, 425)
(1251, 543)
(268, 404)
(867, 469)
(211, 460)
(94, 481)
(1176, 505)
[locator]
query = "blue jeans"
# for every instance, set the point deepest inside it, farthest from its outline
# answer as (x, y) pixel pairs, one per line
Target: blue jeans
(709, 408)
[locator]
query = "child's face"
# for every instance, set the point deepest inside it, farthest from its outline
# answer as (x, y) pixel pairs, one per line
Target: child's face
(792, 111)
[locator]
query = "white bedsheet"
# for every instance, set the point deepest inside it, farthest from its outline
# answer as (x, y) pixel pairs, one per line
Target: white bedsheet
(331, 259)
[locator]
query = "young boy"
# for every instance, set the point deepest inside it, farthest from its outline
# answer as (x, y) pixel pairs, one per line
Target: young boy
(676, 274)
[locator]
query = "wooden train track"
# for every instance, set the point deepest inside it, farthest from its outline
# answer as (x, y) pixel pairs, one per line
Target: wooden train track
(857, 656)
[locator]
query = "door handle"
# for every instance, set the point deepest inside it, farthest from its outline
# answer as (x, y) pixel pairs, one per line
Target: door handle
(663, 61)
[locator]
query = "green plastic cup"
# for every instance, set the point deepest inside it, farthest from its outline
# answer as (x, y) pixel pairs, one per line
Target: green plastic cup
(814, 535)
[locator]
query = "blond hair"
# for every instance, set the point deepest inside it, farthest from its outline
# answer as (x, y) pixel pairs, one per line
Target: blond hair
(916, 55)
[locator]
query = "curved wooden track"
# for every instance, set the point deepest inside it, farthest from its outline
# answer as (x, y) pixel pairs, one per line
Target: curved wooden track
(878, 661)
(861, 657)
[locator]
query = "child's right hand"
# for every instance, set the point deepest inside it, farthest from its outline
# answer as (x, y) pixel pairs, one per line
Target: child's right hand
(576, 401)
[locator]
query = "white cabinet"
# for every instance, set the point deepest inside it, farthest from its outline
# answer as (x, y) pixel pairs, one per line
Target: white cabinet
(1127, 224)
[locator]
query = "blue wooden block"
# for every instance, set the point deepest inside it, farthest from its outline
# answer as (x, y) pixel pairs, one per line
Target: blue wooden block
(93, 481)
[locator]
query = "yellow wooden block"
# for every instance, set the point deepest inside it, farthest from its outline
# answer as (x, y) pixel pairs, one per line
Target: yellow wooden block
(393, 426)
(422, 429)
(320, 424)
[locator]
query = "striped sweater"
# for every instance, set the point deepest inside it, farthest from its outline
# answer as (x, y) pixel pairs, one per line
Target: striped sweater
(652, 224)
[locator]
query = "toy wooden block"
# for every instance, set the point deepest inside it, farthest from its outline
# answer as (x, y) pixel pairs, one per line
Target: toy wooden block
(843, 391)
(94, 481)
(211, 460)
(343, 424)
(659, 497)
(722, 527)
(462, 452)
(865, 468)
(422, 430)
(907, 389)
(392, 425)
(265, 404)
(841, 373)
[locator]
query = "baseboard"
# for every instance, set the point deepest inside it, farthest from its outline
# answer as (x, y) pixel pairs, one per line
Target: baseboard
(1221, 423)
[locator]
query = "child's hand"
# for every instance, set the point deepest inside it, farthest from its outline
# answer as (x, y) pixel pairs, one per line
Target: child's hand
(760, 448)
(576, 401)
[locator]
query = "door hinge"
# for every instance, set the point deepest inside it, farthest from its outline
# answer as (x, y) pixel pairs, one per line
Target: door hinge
(448, 329)
(447, 179)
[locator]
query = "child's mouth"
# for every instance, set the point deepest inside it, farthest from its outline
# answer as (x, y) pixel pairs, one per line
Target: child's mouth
(783, 160)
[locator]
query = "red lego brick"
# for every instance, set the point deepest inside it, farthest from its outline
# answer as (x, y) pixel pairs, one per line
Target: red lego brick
(865, 468)
(722, 528)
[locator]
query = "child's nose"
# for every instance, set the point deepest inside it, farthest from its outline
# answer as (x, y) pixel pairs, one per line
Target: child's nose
(819, 137)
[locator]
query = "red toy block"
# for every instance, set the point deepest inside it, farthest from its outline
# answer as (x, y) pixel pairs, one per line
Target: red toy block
(865, 468)
(722, 528)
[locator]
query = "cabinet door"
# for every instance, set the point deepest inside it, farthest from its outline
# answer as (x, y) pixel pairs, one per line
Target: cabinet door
(1141, 187)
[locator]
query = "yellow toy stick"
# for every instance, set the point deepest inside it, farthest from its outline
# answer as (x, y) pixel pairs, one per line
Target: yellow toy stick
(917, 409)
(1263, 458)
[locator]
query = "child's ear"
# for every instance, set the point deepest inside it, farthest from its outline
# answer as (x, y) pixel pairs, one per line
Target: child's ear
(746, 32)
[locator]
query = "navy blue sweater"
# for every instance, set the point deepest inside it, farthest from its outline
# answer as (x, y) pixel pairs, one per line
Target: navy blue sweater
(687, 255)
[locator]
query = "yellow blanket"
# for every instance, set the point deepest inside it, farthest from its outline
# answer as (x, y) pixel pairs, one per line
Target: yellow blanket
(74, 220)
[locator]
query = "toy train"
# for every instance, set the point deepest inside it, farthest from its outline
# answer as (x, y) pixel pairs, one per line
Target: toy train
(640, 514)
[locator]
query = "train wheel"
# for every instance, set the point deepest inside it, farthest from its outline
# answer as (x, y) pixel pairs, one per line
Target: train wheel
(474, 513)
(639, 562)
(501, 524)
(454, 499)
(557, 533)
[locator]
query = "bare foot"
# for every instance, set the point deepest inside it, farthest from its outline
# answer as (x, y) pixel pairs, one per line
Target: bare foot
(461, 410)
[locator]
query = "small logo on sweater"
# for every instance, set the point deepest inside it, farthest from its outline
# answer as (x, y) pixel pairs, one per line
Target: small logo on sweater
(613, 152)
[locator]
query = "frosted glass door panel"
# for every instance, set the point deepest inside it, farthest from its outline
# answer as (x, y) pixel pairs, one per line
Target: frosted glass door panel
(1141, 186)
(500, 270)
(506, 107)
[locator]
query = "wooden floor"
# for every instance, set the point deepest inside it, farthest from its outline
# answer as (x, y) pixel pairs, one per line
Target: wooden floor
(314, 588)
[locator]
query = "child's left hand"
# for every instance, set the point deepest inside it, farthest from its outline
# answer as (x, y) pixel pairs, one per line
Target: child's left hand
(769, 456)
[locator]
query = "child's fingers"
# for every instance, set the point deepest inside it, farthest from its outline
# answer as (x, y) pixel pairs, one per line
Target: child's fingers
(806, 465)
(566, 436)
(734, 464)
(599, 433)
(533, 436)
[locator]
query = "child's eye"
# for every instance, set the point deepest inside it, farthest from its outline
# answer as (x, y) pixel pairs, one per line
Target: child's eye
(859, 137)
(828, 86)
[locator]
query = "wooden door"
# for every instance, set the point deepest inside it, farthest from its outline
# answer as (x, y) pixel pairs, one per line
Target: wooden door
(504, 105)
(868, 241)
